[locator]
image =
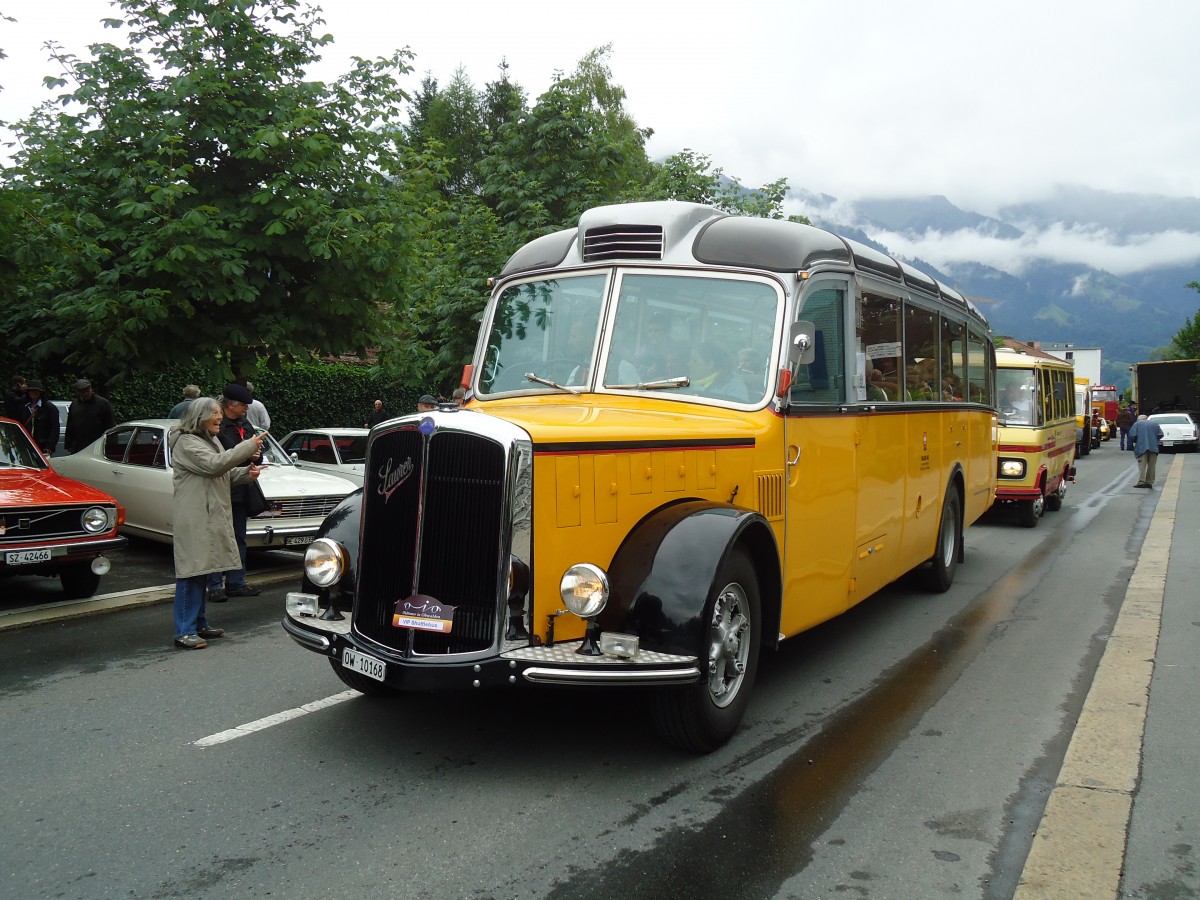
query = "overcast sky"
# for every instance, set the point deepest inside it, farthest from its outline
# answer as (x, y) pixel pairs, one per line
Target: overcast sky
(987, 103)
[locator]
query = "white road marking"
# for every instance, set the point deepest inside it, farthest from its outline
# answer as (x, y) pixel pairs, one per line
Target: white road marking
(286, 716)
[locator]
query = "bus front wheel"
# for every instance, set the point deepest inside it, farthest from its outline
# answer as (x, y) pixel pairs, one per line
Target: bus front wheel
(1029, 511)
(702, 716)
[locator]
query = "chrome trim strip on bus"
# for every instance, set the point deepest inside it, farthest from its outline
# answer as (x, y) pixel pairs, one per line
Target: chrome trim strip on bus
(539, 675)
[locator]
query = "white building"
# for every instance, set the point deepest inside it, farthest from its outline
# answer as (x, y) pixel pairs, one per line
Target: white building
(1087, 360)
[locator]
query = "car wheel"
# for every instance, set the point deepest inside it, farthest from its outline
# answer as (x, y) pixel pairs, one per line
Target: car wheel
(79, 581)
(938, 577)
(367, 686)
(702, 716)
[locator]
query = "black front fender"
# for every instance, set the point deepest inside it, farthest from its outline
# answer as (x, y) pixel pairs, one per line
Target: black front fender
(662, 577)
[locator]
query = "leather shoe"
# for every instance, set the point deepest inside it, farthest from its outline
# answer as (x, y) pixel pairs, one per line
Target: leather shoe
(216, 597)
(244, 591)
(190, 642)
(208, 632)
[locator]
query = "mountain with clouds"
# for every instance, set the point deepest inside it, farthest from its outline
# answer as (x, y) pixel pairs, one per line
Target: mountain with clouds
(1082, 266)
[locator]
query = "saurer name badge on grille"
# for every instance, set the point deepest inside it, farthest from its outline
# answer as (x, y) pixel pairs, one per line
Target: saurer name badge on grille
(423, 613)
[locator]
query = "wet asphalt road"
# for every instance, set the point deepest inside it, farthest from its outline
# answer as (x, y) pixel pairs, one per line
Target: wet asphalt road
(904, 750)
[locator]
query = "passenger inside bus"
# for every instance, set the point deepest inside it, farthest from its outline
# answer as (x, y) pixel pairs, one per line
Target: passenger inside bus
(1016, 405)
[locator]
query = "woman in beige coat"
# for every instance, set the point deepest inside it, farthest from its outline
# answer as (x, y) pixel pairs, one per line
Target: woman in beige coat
(203, 530)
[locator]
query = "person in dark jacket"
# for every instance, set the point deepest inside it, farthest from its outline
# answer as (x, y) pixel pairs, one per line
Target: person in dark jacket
(88, 417)
(1124, 422)
(40, 418)
(14, 398)
(1145, 436)
(235, 428)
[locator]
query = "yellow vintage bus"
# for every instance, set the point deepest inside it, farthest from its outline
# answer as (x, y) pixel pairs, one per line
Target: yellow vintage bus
(689, 436)
(1084, 437)
(1038, 431)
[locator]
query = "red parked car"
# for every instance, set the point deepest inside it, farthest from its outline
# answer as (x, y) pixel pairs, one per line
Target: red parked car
(49, 524)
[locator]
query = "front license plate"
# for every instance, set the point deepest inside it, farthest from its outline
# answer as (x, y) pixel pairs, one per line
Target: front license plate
(367, 665)
(294, 541)
(25, 557)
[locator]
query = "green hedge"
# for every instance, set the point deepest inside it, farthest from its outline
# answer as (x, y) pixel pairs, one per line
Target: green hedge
(308, 395)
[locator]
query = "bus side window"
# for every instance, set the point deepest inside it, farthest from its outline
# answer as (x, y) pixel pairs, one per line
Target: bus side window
(822, 381)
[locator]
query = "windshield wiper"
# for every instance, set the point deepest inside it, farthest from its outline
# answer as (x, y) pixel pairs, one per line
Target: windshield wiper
(680, 381)
(533, 376)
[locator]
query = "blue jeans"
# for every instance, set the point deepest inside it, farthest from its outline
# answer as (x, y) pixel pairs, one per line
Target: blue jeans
(234, 578)
(189, 605)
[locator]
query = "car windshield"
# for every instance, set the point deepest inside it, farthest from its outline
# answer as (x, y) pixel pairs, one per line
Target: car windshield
(16, 450)
(273, 453)
(683, 334)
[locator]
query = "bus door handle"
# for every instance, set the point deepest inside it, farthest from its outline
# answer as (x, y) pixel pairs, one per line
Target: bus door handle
(795, 456)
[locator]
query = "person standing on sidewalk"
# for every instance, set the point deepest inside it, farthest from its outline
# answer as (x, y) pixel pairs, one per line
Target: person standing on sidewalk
(1125, 421)
(202, 473)
(1145, 436)
(235, 429)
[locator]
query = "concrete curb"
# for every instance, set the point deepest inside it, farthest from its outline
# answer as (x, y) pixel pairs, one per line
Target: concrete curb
(44, 613)
(1079, 849)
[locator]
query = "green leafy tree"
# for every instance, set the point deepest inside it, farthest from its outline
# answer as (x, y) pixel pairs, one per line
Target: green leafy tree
(192, 194)
(689, 176)
(1186, 343)
(577, 147)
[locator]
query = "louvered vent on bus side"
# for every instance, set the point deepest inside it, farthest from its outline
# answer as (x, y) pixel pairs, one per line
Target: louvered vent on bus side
(616, 241)
(770, 494)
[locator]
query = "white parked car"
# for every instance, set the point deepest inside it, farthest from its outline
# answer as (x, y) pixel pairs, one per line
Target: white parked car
(335, 451)
(133, 463)
(1179, 431)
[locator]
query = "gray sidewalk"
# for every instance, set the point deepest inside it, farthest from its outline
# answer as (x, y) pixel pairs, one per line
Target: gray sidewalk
(1122, 820)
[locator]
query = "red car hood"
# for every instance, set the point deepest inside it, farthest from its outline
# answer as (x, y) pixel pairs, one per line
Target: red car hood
(27, 487)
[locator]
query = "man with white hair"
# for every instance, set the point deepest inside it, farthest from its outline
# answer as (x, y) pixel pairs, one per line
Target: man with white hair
(256, 413)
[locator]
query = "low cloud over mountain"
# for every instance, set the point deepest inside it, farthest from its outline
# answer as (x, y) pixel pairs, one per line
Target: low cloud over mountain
(1093, 268)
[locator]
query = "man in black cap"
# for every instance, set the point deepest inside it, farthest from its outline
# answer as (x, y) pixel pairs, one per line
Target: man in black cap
(41, 417)
(88, 417)
(427, 403)
(235, 428)
(14, 398)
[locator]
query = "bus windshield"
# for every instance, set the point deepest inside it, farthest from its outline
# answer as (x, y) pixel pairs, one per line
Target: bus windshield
(1017, 390)
(694, 336)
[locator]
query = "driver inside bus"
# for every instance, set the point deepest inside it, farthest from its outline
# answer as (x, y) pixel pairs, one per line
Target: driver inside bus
(1016, 405)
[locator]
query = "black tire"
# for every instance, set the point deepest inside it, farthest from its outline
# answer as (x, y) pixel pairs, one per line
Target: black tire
(702, 716)
(1055, 500)
(1029, 511)
(367, 686)
(79, 581)
(939, 574)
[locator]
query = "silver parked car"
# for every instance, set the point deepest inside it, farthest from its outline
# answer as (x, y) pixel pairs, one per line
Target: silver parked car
(335, 451)
(1179, 431)
(133, 463)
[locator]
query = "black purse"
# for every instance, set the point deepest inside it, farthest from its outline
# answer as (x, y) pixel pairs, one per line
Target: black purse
(256, 500)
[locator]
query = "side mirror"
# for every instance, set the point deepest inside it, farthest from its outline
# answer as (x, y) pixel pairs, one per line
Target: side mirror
(802, 344)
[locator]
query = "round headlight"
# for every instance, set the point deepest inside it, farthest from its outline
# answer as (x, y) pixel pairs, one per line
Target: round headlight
(584, 590)
(324, 562)
(95, 520)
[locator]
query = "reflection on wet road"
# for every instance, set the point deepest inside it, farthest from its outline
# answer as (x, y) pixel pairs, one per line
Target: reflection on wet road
(764, 836)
